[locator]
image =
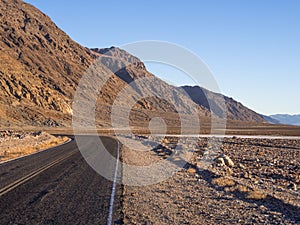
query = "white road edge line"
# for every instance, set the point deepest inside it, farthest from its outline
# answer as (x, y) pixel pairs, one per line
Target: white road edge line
(112, 196)
(11, 160)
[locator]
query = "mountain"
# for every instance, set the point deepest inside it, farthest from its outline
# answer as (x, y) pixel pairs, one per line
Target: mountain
(162, 96)
(271, 120)
(208, 101)
(41, 67)
(287, 119)
(235, 110)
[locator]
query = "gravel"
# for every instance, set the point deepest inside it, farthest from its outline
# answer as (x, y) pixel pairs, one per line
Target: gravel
(259, 184)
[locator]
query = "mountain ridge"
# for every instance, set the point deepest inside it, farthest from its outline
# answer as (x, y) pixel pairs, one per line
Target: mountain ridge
(287, 119)
(235, 109)
(41, 67)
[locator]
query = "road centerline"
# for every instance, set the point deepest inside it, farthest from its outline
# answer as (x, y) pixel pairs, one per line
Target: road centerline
(33, 174)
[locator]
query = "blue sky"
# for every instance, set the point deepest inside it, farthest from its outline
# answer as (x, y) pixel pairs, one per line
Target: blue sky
(252, 47)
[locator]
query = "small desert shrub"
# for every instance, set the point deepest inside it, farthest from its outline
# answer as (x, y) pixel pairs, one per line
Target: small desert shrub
(230, 189)
(256, 195)
(239, 188)
(223, 182)
(24, 147)
(242, 189)
(64, 139)
(192, 171)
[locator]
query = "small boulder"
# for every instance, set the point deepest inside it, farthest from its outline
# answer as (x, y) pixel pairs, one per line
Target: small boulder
(228, 161)
(293, 186)
(241, 166)
(165, 141)
(220, 161)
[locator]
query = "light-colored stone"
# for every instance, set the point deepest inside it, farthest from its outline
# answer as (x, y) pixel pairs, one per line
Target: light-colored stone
(241, 166)
(220, 161)
(228, 161)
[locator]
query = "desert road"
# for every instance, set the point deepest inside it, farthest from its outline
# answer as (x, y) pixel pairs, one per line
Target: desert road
(57, 186)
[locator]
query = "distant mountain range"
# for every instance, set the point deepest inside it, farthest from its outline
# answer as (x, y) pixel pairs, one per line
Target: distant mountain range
(287, 119)
(41, 67)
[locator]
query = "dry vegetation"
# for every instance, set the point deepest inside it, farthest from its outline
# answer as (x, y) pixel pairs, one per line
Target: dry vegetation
(17, 144)
(223, 182)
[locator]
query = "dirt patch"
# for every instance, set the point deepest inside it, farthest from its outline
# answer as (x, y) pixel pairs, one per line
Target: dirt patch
(14, 144)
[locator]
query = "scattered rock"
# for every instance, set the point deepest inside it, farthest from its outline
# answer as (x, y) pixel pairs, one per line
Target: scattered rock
(228, 161)
(263, 208)
(220, 161)
(229, 171)
(247, 175)
(165, 141)
(51, 123)
(241, 166)
(293, 186)
(224, 160)
(218, 195)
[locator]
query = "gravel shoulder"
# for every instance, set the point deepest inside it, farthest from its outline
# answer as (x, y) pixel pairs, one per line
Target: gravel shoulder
(250, 181)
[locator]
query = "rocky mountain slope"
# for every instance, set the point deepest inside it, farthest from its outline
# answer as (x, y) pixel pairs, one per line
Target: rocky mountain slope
(162, 96)
(207, 101)
(235, 110)
(41, 67)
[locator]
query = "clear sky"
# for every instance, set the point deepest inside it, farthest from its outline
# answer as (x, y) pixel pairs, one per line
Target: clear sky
(252, 47)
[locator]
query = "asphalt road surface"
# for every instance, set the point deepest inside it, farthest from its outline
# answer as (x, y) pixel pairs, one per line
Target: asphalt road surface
(57, 186)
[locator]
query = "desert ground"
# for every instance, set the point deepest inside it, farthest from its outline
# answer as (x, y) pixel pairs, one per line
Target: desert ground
(14, 144)
(247, 181)
(250, 181)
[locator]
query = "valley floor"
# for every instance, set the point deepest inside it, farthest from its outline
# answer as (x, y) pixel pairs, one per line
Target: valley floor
(248, 180)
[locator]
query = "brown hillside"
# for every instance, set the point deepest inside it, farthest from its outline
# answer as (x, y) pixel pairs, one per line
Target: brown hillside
(41, 67)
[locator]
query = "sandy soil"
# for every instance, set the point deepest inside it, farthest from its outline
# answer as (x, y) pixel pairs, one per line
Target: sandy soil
(251, 181)
(14, 144)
